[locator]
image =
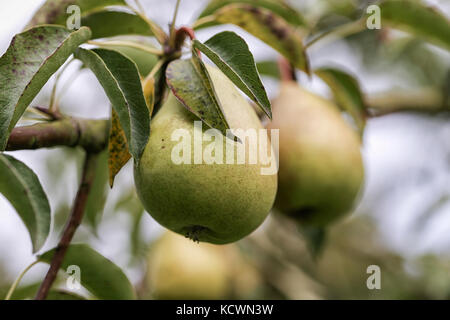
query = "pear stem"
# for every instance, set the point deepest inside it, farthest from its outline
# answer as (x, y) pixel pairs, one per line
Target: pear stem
(287, 72)
(172, 25)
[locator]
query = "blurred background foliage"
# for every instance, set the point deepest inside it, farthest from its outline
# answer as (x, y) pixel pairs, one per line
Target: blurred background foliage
(400, 209)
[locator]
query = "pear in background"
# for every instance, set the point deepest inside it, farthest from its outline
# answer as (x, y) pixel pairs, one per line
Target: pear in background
(320, 165)
(179, 268)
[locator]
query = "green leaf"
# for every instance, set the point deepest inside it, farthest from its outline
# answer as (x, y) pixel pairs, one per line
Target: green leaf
(268, 68)
(29, 291)
(55, 11)
(115, 23)
(347, 94)
(63, 295)
(25, 291)
(100, 276)
(231, 54)
(99, 190)
(120, 79)
(20, 185)
(268, 27)
(190, 83)
(282, 9)
(118, 154)
(145, 61)
(418, 19)
(31, 59)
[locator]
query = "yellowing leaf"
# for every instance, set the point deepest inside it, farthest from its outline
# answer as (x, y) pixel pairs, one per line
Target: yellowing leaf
(148, 86)
(117, 148)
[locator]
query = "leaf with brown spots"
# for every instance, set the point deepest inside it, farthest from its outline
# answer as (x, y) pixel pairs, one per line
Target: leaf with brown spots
(118, 154)
(31, 59)
(269, 28)
(190, 83)
(278, 7)
(231, 54)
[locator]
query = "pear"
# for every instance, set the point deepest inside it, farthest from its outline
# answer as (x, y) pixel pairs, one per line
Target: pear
(217, 203)
(178, 268)
(181, 269)
(320, 165)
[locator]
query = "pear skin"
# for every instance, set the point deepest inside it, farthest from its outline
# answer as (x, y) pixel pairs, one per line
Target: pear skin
(217, 203)
(320, 165)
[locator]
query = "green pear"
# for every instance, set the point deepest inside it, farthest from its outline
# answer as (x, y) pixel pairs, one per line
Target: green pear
(217, 203)
(181, 269)
(320, 165)
(178, 268)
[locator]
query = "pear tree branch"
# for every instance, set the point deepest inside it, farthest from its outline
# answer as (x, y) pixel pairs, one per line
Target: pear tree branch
(74, 221)
(92, 135)
(422, 100)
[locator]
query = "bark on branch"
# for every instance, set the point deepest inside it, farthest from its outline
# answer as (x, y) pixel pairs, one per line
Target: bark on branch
(74, 221)
(92, 135)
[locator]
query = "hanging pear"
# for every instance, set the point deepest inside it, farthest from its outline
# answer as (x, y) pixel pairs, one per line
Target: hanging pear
(217, 203)
(181, 269)
(320, 165)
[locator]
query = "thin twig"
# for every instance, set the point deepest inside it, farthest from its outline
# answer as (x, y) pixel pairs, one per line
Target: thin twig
(66, 86)
(172, 26)
(139, 5)
(74, 221)
(19, 278)
(159, 33)
(53, 106)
